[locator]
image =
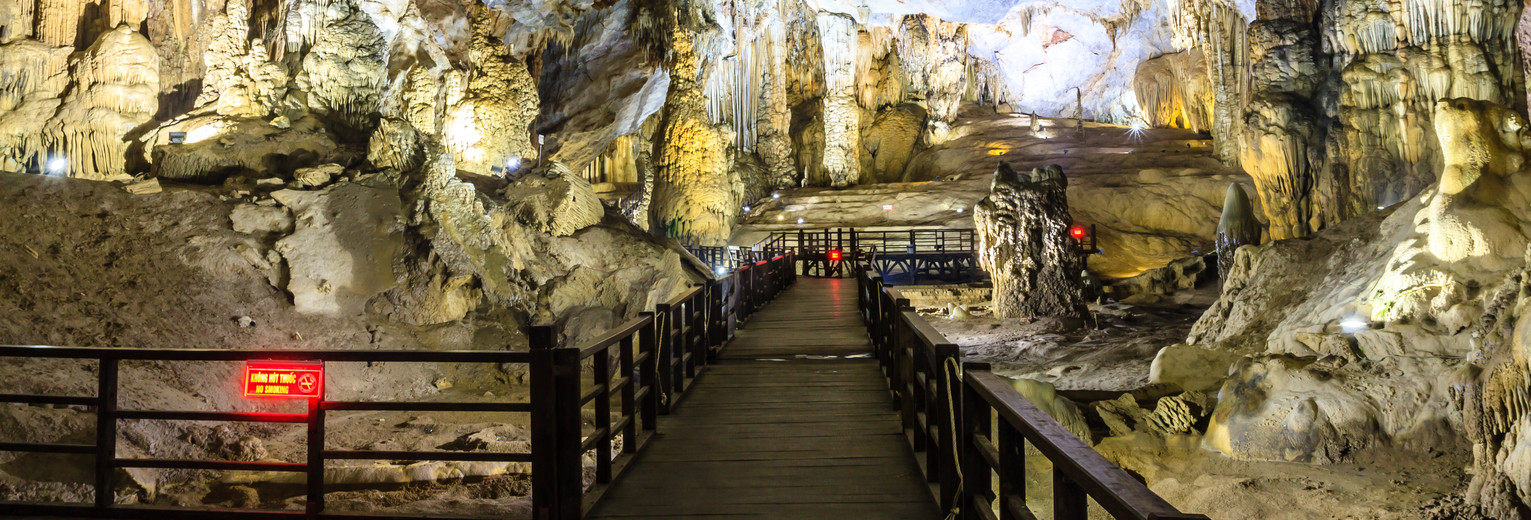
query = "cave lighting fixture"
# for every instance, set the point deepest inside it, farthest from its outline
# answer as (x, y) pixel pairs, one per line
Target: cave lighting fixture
(58, 166)
(746, 208)
(960, 210)
(781, 217)
(1354, 325)
(512, 163)
(722, 271)
(800, 221)
(887, 207)
(775, 194)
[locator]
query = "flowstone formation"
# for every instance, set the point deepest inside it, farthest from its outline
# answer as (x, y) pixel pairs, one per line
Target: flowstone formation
(1024, 244)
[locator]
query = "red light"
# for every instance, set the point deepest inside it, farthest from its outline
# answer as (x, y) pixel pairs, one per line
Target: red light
(288, 379)
(834, 256)
(1077, 232)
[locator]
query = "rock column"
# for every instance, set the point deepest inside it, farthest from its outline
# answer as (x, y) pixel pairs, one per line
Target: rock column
(1024, 244)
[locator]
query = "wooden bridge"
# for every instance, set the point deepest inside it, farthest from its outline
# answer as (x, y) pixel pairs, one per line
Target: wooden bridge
(907, 255)
(757, 395)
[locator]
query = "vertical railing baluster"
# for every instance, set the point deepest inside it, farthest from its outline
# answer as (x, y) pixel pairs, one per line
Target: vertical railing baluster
(544, 423)
(977, 482)
(106, 433)
(948, 386)
(315, 474)
(648, 374)
(1012, 471)
(571, 475)
(629, 395)
(1069, 500)
(664, 356)
(601, 368)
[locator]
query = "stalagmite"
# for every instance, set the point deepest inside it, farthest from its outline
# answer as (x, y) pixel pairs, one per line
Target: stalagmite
(842, 114)
(1237, 227)
(492, 124)
(1023, 242)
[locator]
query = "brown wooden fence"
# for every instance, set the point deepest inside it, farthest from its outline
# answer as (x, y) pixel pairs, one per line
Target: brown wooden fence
(948, 410)
(638, 371)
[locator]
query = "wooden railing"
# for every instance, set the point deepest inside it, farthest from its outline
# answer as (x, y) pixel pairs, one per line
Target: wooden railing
(638, 372)
(963, 459)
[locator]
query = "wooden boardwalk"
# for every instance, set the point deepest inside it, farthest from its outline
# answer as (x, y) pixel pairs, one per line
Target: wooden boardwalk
(793, 423)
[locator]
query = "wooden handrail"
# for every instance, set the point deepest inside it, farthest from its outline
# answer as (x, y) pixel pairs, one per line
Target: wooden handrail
(932, 392)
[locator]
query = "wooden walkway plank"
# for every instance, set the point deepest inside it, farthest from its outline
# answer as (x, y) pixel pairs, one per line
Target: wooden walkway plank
(793, 423)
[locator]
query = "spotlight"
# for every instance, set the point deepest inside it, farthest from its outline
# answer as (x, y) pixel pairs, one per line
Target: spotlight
(800, 221)
(512, 163)
(58, 165)
(177, 137)
(746, 208)
(1354, 325)
(1381, 207)
(960, 210)
(775, 194)
(781, 217)
(1136, 131)
(722, 271)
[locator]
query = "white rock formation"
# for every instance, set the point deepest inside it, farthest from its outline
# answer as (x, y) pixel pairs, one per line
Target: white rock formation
(343, 250)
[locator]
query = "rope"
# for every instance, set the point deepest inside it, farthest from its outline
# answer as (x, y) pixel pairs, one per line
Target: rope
(951, 367)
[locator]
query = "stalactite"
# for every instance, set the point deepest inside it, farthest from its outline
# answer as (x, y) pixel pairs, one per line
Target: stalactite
(58, 22)
(16, 18)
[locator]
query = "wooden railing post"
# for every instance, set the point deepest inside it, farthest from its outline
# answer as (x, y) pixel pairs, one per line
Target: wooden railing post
(544, 421)
(629, 370)
(648, 342)
(1069, 500)
(569, 460)
(315, 458)
(1012, 472)
(106, 433)
(665, 356)
(977, 481)
(948, 410)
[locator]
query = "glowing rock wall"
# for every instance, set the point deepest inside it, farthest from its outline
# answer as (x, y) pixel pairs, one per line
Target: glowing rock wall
(492, 123)
(842, 113)
(696, 198)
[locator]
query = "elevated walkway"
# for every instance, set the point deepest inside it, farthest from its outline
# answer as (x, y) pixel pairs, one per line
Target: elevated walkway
(793, 422)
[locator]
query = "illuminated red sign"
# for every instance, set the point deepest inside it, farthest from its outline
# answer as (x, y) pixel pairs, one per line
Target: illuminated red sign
(293, 379)
(834, 255)
(1077, 232)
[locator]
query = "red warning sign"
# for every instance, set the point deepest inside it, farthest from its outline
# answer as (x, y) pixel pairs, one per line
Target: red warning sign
(294, 379)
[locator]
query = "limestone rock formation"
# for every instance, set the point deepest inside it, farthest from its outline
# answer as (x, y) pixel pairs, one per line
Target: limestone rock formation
(1024, 244)
(694, 199)
(1175, 90)
(116, 89)
(491, 125)
(345, 69)
(1376, 347)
